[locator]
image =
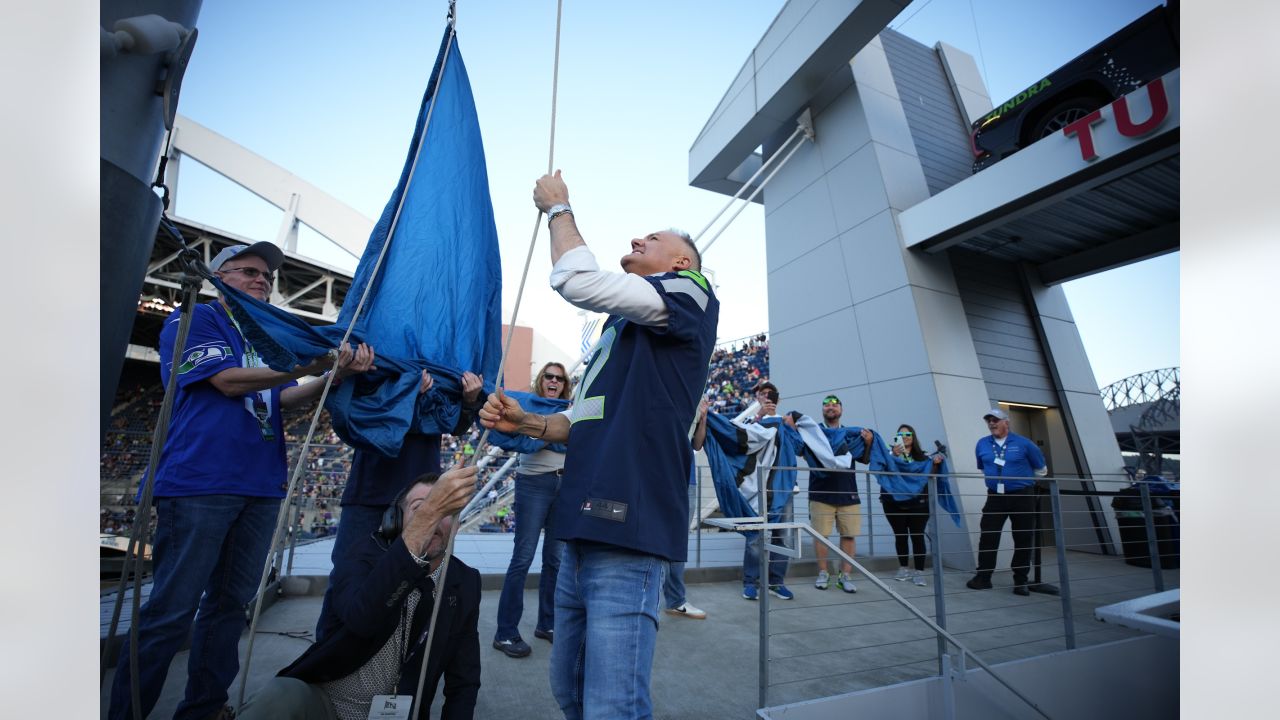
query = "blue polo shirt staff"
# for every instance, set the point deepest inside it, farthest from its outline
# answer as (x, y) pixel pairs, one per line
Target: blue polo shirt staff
(1009, 462)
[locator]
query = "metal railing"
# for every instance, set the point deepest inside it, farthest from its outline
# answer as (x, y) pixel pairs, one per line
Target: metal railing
(1084, 542)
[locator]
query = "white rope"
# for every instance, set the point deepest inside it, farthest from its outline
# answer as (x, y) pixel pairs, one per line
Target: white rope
(328, 382)
(753, 195)
(747, 184)
(511, 329)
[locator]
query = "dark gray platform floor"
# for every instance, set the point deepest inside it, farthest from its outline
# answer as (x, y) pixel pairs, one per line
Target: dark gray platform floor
(822, 643)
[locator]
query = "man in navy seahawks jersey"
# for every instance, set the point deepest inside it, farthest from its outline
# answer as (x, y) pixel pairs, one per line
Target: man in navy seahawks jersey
(623, 509)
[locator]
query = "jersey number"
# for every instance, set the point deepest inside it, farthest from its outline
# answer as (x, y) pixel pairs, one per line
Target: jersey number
(588, 407)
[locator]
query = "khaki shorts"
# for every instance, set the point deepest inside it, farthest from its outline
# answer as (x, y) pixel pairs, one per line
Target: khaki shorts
(847, 518)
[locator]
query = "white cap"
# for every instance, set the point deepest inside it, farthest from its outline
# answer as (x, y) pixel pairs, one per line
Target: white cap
(265, 250)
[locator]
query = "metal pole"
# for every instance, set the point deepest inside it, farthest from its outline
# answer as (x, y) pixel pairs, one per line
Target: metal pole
(762, 591)
(923, 618)
(939, 598)
(871, 527)
(948, 687)
(1152, 547)
(1064, 582)
(698, 530)
(293, 536)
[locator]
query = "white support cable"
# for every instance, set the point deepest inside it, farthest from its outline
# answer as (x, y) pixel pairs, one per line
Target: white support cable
(764, 166)
(282, 515)
(511, 329)
(750, 197)
(494, 478)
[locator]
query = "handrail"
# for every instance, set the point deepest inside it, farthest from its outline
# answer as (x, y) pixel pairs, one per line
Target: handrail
(758, 525)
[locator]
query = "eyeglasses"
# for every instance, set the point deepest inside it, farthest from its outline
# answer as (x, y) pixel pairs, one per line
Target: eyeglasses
(549, 377)
(905, 434)
(252, 273)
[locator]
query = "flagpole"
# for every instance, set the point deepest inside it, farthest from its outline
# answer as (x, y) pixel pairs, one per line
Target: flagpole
(506, 347)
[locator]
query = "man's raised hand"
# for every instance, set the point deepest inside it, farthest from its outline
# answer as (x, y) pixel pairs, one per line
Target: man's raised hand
(550, 190)
(502, 413)
(453, 490)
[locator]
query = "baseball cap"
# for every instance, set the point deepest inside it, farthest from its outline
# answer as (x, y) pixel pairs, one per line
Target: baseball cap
(265, 250)
(831, 398)
(996, 413)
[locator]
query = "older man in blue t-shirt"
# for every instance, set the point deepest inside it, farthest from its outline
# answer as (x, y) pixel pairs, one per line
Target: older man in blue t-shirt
(623, 509)
(1010, 463)
(217, 490)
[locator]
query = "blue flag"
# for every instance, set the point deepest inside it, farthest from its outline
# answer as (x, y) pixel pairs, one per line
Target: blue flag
(733, 452)
(437, 297)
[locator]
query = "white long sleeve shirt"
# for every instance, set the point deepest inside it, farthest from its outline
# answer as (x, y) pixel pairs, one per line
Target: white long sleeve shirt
(579, 279)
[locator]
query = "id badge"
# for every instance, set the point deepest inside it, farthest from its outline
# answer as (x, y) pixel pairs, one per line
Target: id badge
(390, 707)
(999, 487)
(999, 462)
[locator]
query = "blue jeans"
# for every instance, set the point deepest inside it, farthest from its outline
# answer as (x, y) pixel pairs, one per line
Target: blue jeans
(606, 629)
(673, 588)
(534, 505)
(751, 557)
(354, 524)
(209, 551)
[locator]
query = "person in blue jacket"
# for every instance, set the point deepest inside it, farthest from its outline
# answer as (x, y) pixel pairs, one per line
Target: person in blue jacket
(1010, 463)
(375, 639)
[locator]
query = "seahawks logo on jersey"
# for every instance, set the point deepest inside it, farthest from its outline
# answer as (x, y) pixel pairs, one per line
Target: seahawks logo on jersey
(201, 354)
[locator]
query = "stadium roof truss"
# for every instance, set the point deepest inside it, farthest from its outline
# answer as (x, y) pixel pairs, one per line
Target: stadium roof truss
(1145, 411)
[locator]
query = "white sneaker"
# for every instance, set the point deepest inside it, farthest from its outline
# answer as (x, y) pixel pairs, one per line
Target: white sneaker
(846, 583)
(689, 611)
(917, 578)
(902, 574)
(824, 580)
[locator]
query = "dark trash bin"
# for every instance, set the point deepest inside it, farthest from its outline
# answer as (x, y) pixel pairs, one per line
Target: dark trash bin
(1133, 528)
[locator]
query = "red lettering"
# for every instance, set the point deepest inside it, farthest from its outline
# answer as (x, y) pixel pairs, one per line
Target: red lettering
(1159, 111)
(1082, 130)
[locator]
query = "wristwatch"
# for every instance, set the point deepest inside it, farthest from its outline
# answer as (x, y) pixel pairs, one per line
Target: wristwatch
(556, 211)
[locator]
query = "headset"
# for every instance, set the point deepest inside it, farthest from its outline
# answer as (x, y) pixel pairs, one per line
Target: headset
(393, 517)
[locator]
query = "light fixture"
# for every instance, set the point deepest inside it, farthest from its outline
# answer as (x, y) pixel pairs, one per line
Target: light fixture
(1024, 405)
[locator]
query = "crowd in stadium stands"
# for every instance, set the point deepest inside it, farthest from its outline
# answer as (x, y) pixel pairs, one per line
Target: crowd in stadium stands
(127, 446)
(735, 370)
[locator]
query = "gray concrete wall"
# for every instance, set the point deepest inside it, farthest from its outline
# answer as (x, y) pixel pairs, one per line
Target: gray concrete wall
(905, 337)
(933, 114)
(850, 311)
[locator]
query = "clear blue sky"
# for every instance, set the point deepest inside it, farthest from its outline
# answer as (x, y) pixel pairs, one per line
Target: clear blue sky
(329, 90)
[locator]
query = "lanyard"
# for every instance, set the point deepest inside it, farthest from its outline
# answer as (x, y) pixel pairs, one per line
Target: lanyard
(250, 354)
(405, 629)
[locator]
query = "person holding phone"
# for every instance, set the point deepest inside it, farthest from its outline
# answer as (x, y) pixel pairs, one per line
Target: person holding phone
(909, 517)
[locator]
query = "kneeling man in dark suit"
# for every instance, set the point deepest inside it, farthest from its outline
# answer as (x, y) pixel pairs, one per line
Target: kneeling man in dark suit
(373, 646)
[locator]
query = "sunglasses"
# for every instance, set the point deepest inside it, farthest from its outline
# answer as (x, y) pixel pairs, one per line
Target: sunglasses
(904, 433)
(550, 376)
(830, 402)
(252, 273)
